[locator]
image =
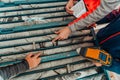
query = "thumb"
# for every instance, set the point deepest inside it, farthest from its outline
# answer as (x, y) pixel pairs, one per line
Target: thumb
(57, 32)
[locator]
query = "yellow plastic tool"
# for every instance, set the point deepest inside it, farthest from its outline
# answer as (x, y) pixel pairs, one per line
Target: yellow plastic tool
(98, 55)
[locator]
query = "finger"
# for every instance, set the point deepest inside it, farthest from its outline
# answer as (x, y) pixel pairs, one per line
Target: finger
(57, 32)
(39, 60)
(70, 12)
(40, 54)
(37, 55)
(55, 39)
(68, 8)
(30, 55)
(98, 64)
(62, 38)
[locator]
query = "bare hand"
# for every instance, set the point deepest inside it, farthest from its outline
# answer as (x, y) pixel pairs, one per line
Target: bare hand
(97, 64)
(92, 25)
(33, 60)
(69, 6)
(62, 34)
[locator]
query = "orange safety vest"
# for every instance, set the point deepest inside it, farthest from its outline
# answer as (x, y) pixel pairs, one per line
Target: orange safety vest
(91, 6)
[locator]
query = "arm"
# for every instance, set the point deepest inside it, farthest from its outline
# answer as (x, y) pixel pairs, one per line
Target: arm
(31, 61)
(105, 7)
(111, 16)
(9, 71)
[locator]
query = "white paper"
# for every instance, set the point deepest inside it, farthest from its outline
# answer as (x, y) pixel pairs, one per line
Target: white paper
(79, 9)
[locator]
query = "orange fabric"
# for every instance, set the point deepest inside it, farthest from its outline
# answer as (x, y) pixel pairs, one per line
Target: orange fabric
(91, 6)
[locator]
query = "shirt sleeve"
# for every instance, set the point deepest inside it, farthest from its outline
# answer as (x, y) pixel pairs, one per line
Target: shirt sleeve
(10, 71)
(105, 8)
(111, 16)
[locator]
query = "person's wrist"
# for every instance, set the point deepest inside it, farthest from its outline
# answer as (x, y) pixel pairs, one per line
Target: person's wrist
(69, 29)
(72, 28)
(26, 63)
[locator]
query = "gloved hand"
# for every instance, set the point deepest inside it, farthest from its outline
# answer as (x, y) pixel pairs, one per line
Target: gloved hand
(33, 60)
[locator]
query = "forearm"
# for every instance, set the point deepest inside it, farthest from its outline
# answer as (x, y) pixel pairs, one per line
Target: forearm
(105, 8)
(10, 71)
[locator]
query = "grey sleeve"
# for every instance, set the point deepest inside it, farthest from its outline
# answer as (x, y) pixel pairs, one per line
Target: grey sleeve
(12, 70)
(105, 8)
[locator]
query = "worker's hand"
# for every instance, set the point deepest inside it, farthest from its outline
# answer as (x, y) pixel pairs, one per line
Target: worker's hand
(33, 60)
(92, 25)
(69, 6)
(62, 34)
(97, 64)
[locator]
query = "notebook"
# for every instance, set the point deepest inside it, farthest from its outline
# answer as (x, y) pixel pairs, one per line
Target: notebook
(79, 8)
